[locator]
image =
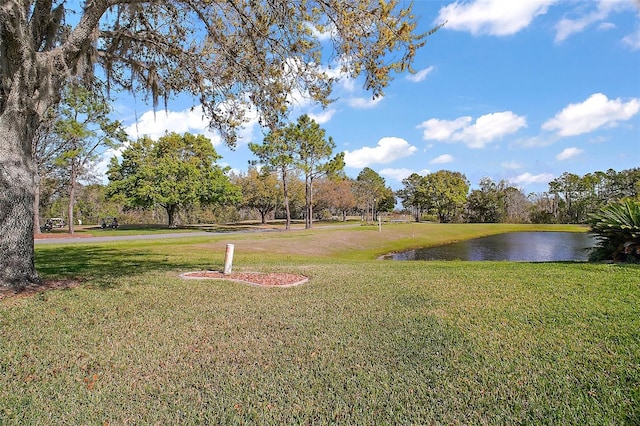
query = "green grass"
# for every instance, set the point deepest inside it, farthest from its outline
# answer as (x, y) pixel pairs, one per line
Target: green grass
(363, 342)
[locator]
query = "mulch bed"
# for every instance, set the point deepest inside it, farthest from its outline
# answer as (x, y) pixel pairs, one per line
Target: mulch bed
(32, 289)
(52, 235)
(274, 279)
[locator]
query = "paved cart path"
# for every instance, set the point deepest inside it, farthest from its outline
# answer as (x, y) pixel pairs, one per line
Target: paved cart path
(85, 240)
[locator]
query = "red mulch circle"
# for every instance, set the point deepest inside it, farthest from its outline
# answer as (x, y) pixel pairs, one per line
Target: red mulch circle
(273, 279)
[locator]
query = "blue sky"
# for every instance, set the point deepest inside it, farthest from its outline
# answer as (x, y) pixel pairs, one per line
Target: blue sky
(516, 90)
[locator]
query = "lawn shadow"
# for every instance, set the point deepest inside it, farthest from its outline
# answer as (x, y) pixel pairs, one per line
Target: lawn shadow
(104, 266)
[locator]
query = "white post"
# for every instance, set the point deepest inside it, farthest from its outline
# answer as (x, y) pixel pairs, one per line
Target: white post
(379, 223)
(228, 259)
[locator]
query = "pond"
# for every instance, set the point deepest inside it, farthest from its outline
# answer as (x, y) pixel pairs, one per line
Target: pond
(514, 246)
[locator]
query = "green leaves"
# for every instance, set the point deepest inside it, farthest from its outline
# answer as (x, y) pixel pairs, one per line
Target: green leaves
(173, 172)
(617, 228)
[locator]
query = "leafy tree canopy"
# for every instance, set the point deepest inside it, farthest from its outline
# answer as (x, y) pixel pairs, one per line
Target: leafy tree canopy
(176, 171)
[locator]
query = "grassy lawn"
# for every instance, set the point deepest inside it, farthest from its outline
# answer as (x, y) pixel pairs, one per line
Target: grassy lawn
(363, 342)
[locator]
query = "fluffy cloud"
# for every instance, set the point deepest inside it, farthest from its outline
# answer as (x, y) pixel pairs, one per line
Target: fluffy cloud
(442, 159)
(156, 124)
(397, 174)
(603, 8)
(569, 153)
(323, 117)
(388, 150)
(364, 103)
(528, 178)
(597, 111)
(633, 40)
(420, 75)
(494, 17)
(442, 130)
(486, 129)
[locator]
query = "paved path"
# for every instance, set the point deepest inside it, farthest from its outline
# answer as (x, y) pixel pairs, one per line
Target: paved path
(88, 240)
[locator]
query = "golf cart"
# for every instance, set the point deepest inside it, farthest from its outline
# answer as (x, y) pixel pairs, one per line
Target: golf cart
(54, 222)
(109, 222)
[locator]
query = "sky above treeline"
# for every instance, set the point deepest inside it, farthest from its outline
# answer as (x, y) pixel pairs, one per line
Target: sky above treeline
(520, 91)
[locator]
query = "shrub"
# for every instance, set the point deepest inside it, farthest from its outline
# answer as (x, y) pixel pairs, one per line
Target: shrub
(617, 229)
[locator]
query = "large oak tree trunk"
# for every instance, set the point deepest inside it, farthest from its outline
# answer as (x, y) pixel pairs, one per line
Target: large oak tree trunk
(17, 195)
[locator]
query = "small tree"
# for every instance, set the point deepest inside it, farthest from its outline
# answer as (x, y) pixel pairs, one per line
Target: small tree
(46, 148)
(371, 193)
(260, 191)
(447, 194)
(83, 125)
(414, 195)
(173, 172)
(336, 195)
(311, 154)
(276, 154)
(617, 229)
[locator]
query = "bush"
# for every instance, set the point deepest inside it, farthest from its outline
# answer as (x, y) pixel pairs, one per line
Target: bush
(617, 229)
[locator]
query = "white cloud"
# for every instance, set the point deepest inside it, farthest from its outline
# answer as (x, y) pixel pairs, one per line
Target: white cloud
(511, 165)
(528, 178)
(537, 141)
(569, 153)
(100, 168)
(605, 26)
(597, 111)
(323, 117)
(442, 130)
(486, 129)
(397, 174)
(442, 159)
(388, 150)
(364, 103)
(603, 8)
(420, 75)
(324, 35)
(156, 124)
(189, 120)
(633, 40)
(493, 17)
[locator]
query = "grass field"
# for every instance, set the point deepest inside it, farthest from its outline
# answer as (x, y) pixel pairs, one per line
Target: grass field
(363, 342)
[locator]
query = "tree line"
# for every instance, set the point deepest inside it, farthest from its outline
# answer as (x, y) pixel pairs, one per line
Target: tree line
(444, 196)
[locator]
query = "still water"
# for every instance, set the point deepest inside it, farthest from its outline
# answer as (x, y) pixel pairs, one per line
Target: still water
(515, 246)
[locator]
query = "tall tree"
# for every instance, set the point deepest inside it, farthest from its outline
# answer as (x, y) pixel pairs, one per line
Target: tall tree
(229, 54)
(83, 125)
(174, 172)
(312, 156)
(276, 154)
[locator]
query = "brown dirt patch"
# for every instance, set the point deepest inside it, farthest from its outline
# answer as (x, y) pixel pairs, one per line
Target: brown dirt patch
(273, 279)
(32, 289)
(51, 235)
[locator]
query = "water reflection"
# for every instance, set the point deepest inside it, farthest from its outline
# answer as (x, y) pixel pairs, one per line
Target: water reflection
(515, 246)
